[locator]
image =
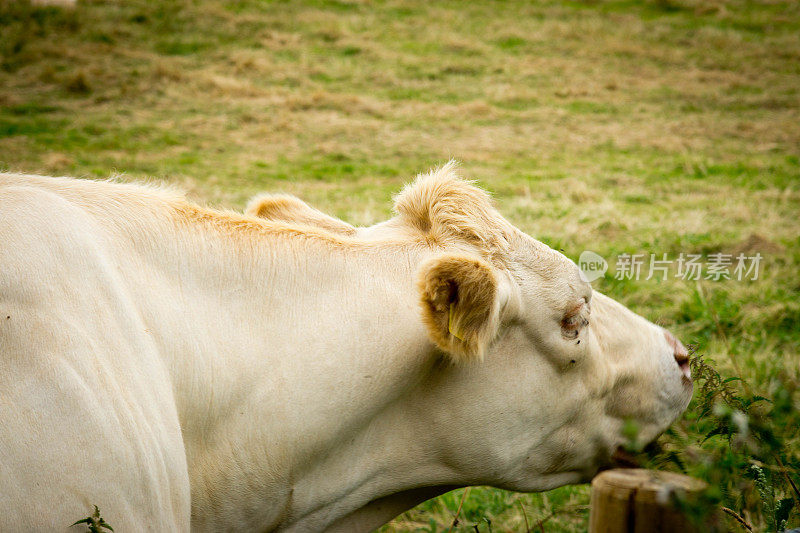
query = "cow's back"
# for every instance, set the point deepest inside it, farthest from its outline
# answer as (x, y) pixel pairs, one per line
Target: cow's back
(87, 415)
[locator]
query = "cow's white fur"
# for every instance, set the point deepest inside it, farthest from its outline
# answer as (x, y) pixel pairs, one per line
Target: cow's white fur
(186, 368)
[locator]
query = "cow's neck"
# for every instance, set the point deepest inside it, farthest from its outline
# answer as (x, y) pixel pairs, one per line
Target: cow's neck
(291, 358)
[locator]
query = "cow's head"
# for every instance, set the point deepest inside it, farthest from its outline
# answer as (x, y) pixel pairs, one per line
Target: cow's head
(546, 371)
(541, 373)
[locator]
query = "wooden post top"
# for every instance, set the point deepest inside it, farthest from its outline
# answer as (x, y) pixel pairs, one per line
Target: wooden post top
(634, 500)
(647, 484)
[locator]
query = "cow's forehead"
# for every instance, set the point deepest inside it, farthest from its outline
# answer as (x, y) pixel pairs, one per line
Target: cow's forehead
(552, 275)
(540, 256)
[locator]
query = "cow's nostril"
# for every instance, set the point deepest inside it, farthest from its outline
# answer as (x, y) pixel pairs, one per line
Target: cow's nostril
(680, 353)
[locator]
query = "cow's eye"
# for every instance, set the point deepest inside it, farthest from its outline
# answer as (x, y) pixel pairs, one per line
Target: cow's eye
(574, 320)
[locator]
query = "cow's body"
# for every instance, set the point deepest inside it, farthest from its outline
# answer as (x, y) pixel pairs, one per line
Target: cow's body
(179, 367)
(88, 411)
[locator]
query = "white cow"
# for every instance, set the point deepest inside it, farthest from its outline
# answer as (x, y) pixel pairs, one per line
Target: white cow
(184, 368)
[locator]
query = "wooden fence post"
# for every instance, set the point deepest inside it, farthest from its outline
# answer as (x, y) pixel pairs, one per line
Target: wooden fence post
(634, 500)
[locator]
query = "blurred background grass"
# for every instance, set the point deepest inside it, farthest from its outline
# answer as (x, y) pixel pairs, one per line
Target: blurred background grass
(653, 126)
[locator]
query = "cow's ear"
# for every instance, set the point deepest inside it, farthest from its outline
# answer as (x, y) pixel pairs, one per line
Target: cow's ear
(286, 208)
(460, 307)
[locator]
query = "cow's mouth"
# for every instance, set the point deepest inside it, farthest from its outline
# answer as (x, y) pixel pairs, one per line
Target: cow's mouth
(622, 458)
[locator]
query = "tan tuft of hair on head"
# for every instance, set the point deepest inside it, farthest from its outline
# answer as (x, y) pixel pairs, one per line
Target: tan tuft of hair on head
(447, 208)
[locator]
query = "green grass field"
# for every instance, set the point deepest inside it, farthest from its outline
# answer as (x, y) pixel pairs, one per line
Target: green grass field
(654, 126)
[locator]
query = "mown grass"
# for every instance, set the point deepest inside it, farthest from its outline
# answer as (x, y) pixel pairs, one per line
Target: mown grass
(653, 126)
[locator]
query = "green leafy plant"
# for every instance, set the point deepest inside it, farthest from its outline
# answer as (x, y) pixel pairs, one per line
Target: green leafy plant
(747, 452)
(94, 522)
